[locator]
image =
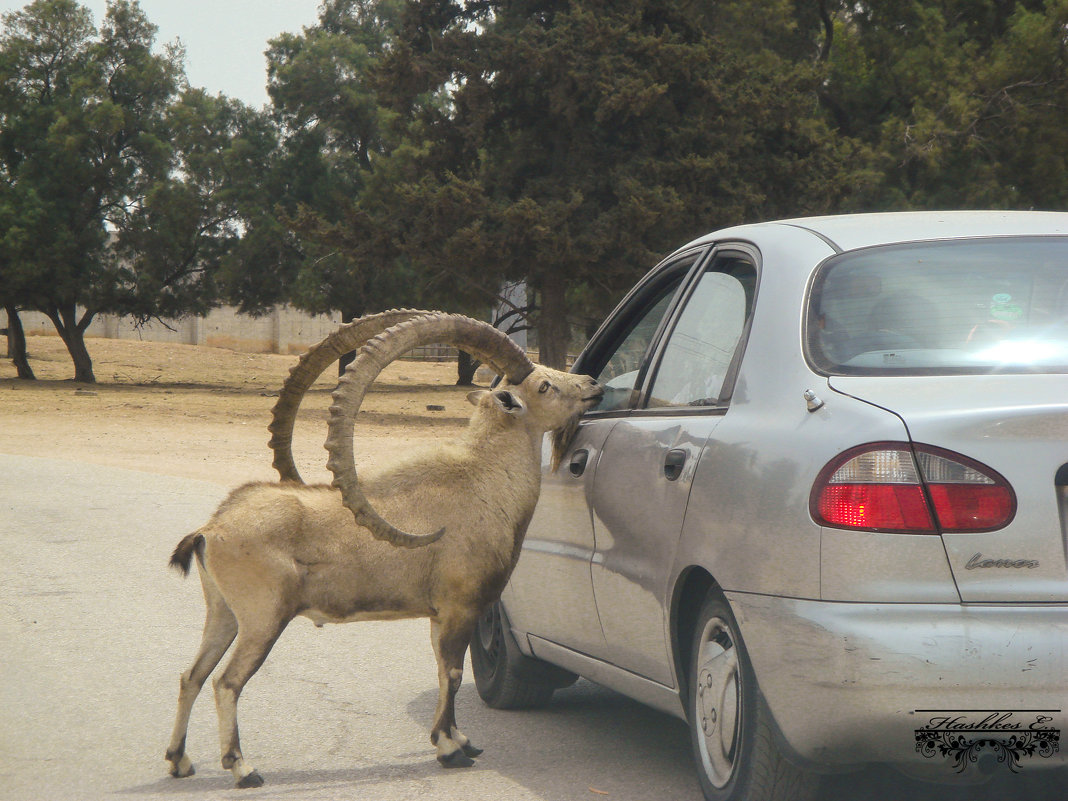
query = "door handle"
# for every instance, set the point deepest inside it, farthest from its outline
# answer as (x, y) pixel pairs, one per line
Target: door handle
(673, 463)
(578, 462)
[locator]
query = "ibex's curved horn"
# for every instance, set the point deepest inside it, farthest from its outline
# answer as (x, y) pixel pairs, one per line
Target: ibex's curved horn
(481, 340)
(349, 337)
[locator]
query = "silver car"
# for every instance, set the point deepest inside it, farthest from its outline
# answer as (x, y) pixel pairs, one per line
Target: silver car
(822, 511)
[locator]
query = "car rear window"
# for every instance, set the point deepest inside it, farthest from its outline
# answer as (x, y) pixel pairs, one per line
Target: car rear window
(955, 306)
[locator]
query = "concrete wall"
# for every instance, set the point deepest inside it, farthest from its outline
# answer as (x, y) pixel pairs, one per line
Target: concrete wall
(284, 330)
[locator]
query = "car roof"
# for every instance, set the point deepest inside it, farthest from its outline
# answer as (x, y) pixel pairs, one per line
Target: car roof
(852, 231)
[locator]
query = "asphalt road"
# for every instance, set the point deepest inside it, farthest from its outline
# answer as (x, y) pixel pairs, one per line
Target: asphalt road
(94, 631)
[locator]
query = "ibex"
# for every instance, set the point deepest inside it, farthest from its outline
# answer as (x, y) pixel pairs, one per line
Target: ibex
(272, 552)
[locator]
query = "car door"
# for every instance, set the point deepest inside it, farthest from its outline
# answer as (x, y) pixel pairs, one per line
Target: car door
(550, 593)
(648, 459)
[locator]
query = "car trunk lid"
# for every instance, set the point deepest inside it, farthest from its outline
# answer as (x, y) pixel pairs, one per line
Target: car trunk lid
(1017, 425)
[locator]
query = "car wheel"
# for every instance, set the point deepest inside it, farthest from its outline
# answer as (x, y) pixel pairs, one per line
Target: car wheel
(505, 677)
(735, 744)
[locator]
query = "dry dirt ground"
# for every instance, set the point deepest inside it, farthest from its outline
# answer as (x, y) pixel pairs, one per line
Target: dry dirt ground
(201, 412)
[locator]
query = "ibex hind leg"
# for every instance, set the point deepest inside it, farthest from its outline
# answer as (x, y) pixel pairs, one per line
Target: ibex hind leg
(253, 644)
(450, 639)
(220, 628)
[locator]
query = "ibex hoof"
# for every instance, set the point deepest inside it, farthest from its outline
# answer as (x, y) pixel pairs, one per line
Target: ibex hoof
(457, 759)
(253, 779)
(181, 766)
(471, 750)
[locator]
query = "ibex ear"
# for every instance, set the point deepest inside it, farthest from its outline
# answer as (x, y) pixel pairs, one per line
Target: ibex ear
(508, 402)
(475, 397)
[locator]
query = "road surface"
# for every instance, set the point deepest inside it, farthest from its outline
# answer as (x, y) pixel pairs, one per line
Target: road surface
(95, 629)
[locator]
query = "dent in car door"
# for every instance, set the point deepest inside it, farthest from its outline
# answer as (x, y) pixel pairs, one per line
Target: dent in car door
(551, 592)
(643, 481)
(639, 499)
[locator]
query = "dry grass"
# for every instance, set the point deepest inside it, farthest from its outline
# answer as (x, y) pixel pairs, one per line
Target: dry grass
(202, 412)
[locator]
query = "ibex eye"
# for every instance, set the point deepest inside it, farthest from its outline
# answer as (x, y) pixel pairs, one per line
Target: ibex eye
(544, 387)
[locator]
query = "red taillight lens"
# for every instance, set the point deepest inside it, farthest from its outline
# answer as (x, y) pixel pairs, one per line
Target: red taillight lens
(891, 487)
(876, 507)
(963, 507)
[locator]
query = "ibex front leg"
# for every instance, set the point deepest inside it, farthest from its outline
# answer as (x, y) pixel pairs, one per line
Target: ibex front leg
(451, 636)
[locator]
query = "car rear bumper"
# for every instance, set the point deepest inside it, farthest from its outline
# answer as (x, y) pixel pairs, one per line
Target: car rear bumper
(933, 685)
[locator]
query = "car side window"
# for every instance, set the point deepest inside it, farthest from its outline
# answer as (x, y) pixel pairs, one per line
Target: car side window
(700, 350)
(618, 366)
(619, 376)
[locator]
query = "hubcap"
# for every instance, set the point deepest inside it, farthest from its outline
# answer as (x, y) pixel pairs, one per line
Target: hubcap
(489, 633)
(718, 701)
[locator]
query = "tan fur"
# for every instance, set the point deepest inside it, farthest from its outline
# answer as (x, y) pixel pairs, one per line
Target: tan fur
(272, 552)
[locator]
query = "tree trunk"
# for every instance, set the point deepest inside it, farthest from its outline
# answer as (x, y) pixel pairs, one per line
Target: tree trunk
(344, 361)
(16, 344)
(347, 316)
(466, 365)
(72, 331)
(553, 330)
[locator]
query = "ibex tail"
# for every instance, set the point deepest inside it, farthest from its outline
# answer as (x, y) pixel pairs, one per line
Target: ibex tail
(182, 557)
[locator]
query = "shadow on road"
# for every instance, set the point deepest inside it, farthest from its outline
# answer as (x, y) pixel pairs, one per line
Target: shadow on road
(588, 741)
(349, 779)
(593, 739)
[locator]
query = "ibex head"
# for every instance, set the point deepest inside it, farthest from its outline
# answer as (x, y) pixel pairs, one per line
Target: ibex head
(551, 400)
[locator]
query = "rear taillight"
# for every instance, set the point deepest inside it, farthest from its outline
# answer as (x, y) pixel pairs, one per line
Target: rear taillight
(900, 488)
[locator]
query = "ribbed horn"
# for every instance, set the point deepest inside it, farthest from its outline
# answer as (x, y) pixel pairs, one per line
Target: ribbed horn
(481, 340)
(349, 337)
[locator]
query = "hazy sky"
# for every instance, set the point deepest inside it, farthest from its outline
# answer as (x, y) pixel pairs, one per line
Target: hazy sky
(224, 39)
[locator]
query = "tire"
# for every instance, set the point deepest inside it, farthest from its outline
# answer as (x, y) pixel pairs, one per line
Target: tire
(734, 739)
(504, 677)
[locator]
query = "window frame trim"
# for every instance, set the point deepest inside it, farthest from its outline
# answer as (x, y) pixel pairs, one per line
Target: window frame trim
(636, 297)
(730, 378)
(707, 253)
